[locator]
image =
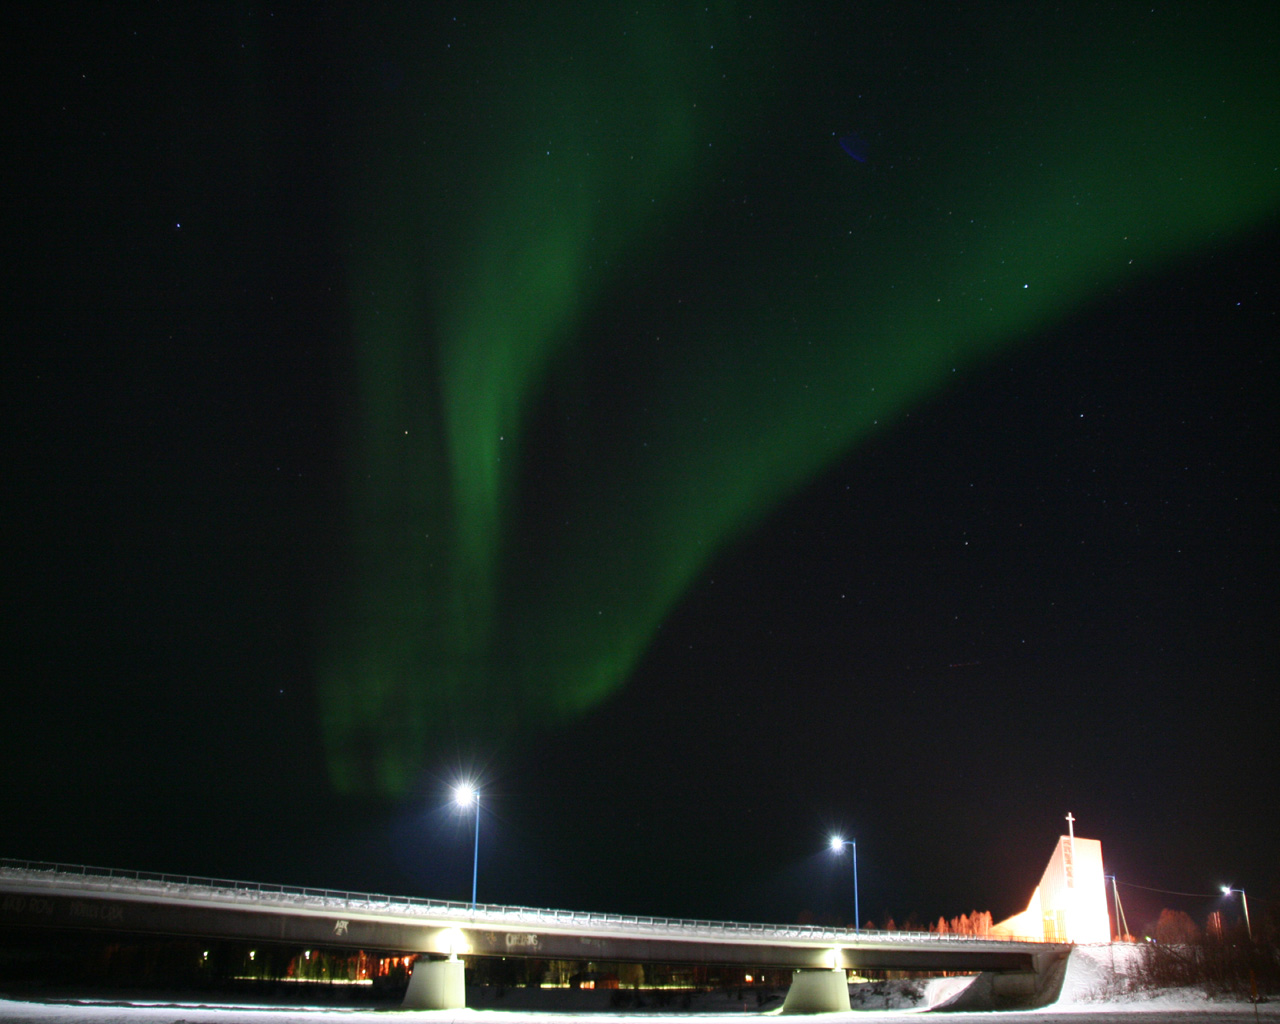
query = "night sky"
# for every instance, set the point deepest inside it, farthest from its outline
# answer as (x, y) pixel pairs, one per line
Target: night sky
(545, 394)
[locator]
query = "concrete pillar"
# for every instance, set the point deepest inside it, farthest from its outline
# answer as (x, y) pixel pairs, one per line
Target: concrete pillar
(436, 985)
(818, 992)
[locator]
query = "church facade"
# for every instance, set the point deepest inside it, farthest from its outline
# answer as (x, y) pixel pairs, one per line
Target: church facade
(1070, 903)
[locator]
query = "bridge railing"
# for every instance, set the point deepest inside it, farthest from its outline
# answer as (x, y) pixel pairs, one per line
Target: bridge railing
(197, 887)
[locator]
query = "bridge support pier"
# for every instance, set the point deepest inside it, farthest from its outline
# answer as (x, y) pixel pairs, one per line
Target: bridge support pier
(818, 992)
(436, 985)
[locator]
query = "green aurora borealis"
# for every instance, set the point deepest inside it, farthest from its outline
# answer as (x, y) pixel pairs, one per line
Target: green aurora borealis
(615, 292)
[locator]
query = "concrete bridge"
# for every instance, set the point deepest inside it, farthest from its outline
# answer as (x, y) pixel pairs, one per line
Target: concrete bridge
(86, 898)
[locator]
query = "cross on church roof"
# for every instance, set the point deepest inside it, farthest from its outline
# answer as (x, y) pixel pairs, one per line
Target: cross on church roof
(1071, 824)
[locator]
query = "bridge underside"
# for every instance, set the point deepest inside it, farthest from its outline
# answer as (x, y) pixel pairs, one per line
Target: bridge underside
(369, 933)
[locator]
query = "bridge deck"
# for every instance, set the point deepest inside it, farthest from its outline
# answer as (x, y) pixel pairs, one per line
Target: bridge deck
(78, 897)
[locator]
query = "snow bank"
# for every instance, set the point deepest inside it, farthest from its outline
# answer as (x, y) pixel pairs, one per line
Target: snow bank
(1097, 974)
(943, 990)
(902, 994)
(1104, 977)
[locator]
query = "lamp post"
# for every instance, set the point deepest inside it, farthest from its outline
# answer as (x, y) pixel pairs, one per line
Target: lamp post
(838, 843)
(466, 795)
(1227, 891)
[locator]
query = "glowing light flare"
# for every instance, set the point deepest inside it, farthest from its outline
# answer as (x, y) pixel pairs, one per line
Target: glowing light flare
(467, 796)
(838, 843)
(1227, 890)
(452, 942)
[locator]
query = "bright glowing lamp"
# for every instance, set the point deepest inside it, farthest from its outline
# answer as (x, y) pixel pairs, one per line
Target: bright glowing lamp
(453, 942)
(838, 843)
(466, 795)
(1244, 899)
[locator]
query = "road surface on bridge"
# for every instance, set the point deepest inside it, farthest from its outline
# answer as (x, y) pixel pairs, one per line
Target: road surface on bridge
(87, 898)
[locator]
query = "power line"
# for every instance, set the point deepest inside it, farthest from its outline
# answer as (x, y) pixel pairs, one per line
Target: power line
(1172, 892)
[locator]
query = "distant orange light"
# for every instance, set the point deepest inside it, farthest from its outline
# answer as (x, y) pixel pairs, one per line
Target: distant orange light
(749, 979)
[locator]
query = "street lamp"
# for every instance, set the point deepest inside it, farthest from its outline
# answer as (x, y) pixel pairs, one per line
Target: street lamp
(466, 795)
(838, 843)
(1227, 891)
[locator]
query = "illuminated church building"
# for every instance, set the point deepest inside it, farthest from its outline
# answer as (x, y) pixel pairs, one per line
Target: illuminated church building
(1070, 903)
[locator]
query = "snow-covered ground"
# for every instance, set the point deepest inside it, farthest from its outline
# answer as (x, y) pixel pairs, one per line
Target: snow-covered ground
(1100, 977)
(1098, 974)
(1095, 990)
(108, 1012)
